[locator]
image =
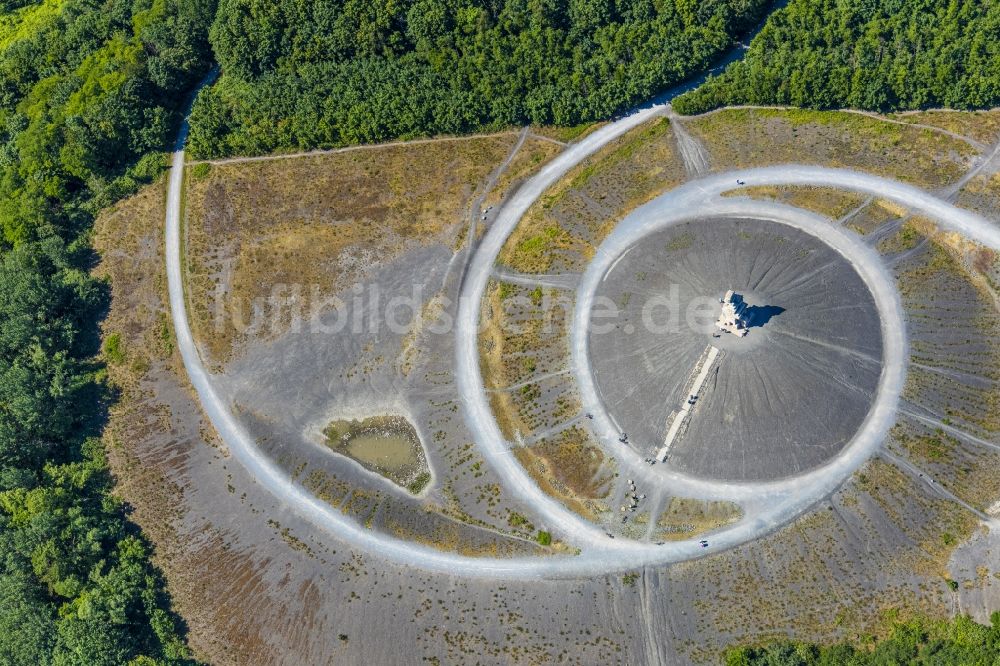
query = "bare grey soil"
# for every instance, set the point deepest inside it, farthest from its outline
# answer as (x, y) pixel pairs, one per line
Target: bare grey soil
(777, 402)
(258, 583)
(288, 390)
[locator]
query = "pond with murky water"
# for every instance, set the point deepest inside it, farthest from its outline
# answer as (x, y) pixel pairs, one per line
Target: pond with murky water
(385, 444)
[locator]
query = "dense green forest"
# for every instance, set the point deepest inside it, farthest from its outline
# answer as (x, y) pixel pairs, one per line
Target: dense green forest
(880, 55)
(958, 642)
(90, 94)
(331, 72)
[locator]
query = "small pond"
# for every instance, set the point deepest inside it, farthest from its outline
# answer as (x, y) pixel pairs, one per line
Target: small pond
(386, 444)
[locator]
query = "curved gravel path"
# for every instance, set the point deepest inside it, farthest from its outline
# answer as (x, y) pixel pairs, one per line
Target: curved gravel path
(698, 199)
(785, 499)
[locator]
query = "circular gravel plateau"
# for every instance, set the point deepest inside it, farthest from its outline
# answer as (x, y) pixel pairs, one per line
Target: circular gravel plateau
(782, 400)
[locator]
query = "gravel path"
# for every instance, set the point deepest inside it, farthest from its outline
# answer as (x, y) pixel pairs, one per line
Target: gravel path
(782, 500)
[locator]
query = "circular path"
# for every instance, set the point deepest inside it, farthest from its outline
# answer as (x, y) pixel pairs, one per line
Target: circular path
(781, 500)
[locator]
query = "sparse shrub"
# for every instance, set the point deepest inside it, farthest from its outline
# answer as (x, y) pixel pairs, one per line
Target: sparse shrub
(114, 349)
(201, 171)
(418, 484)
(516, 520)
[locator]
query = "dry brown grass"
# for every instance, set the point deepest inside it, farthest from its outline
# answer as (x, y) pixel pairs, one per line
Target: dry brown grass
(968, 473)
(759, 137)
(685, 517)
(832, 573)
(576, 462)
(523, 333)
(968, 305)
(318, 220)
(454, 537)
(826, 580)
(875, 215)
(538, 468)
(129, 239)
(564, 227)
(943, 524)
(520, 412)
(505, 412)
(153, 427)
(982, 126)
(907, 237)
(491, 338)
(523, 336)
(956, 256)
(982, 195)
(531, 156)
(566, 134)
(826, 201)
